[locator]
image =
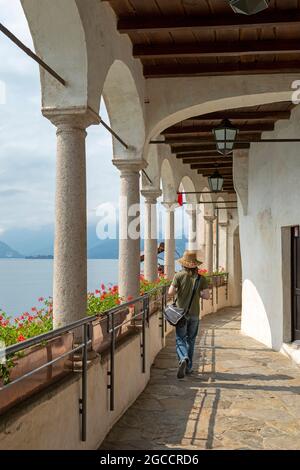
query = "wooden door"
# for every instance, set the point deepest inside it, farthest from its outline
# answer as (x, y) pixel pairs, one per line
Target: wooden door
(295, 283)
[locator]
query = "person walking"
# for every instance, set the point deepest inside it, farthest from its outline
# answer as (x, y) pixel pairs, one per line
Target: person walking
(183, 284)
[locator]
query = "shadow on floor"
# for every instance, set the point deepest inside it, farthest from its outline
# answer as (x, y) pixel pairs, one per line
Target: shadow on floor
(238, 387)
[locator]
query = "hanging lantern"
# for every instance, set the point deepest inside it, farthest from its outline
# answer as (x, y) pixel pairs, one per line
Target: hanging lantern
(216, 182)
(249, 7)
(225, 134)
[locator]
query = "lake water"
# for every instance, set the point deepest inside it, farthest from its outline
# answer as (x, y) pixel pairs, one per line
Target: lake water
(22, 282)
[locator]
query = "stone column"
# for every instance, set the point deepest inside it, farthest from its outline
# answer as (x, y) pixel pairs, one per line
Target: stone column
(129, 227)
(209, 245)
(170, 240)
(223, 244)
(192, 230)
(150, 249)
(200, 236)
(70, 257)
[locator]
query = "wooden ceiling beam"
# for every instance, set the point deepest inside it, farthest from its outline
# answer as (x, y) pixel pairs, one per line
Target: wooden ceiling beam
(204, 147)
(196, 140)
(204, 153)
(242, 115)
(213, 49)
(208, 69)
(207, 129)
(218, 160)
(211, 166)
(157, 24)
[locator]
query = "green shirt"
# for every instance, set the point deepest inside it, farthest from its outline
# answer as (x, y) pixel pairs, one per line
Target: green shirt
(184, 282)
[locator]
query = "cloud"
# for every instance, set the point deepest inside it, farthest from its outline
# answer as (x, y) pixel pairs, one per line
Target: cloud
(28, 141)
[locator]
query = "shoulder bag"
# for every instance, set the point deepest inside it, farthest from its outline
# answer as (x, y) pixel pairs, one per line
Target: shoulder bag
(174, 314)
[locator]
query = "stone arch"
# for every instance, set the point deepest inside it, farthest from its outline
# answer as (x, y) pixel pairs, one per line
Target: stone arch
(169, 187)
(222, 235)
(186, 184)
(125, 110)
(197, 99)
(153, 169)
(69, 54)
(223, 214)
(205, 197)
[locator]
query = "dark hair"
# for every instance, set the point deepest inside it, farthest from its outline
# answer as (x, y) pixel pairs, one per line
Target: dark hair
(191, 271)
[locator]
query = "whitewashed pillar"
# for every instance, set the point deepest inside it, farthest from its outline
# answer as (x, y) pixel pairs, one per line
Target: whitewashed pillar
(200, 236)
(129, 227)
(209, 245)
(192, 227)
(70, 251)
(223, 245)
(150, 251)
(170, 240)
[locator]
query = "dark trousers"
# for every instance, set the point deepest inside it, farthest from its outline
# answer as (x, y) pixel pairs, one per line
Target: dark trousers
(186, 333)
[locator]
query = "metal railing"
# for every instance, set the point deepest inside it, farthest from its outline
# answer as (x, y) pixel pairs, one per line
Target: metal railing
(85, 342)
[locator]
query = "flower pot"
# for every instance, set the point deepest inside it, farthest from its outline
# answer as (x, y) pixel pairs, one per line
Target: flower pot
(31, 359)
(100, 330)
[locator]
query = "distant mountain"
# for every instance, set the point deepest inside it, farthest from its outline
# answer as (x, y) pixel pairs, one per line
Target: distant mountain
(105, 249)
(7, 252)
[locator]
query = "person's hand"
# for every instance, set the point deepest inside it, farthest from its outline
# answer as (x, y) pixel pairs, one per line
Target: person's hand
(205, 294)
(172, 291)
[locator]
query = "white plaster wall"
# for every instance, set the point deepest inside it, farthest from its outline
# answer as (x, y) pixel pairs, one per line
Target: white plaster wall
(52, 421)
(219, 302)
(273, 202)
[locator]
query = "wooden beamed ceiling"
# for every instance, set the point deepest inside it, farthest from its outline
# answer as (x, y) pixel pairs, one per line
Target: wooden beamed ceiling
(177, 38)
(190, 38)
(186, 137)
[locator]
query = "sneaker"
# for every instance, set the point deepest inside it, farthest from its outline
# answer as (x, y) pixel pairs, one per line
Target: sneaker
(181, 369)
(189, 371)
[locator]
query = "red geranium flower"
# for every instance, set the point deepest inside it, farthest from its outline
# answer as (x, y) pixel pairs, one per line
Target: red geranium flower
(21, 338)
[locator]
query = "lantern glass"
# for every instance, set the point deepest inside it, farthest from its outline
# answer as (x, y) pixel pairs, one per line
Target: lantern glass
(249, 7)
(216, 182)
(225, 136)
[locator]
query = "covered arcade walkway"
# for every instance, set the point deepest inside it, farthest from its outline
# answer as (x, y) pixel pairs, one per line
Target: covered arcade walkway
(243, 396)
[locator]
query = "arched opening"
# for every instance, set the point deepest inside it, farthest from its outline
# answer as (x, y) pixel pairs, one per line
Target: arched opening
(125, 111)
(236, 288)
(222, 236)
(189, 213)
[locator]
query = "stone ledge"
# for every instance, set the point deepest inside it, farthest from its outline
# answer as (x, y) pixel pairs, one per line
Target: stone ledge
(292, 350)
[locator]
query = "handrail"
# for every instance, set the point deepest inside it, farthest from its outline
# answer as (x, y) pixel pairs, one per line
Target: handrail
(85, 341)
(83, 347)
(71, 326)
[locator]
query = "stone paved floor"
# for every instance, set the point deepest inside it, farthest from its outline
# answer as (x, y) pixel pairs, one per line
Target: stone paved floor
(243, 396)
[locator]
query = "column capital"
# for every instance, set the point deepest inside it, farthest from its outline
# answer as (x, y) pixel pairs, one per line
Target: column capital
(71, 118)
(129, 166)
(151, 195)
(209, 218)
(223, 224)
(170, 206)
(191, 211)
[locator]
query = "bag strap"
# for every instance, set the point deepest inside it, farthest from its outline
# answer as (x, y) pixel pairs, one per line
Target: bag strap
(197, 280)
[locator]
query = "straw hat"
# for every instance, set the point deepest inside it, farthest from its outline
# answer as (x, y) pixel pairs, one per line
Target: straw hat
(189, 260)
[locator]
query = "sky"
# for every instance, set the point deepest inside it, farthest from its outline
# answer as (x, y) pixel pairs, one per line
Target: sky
(28, 152)
(28, 146)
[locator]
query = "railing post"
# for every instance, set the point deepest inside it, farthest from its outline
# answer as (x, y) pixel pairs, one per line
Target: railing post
(111, 373)
(148, 310)
(162, 325)
(83, 400)
(143, 345)
(226, 290)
